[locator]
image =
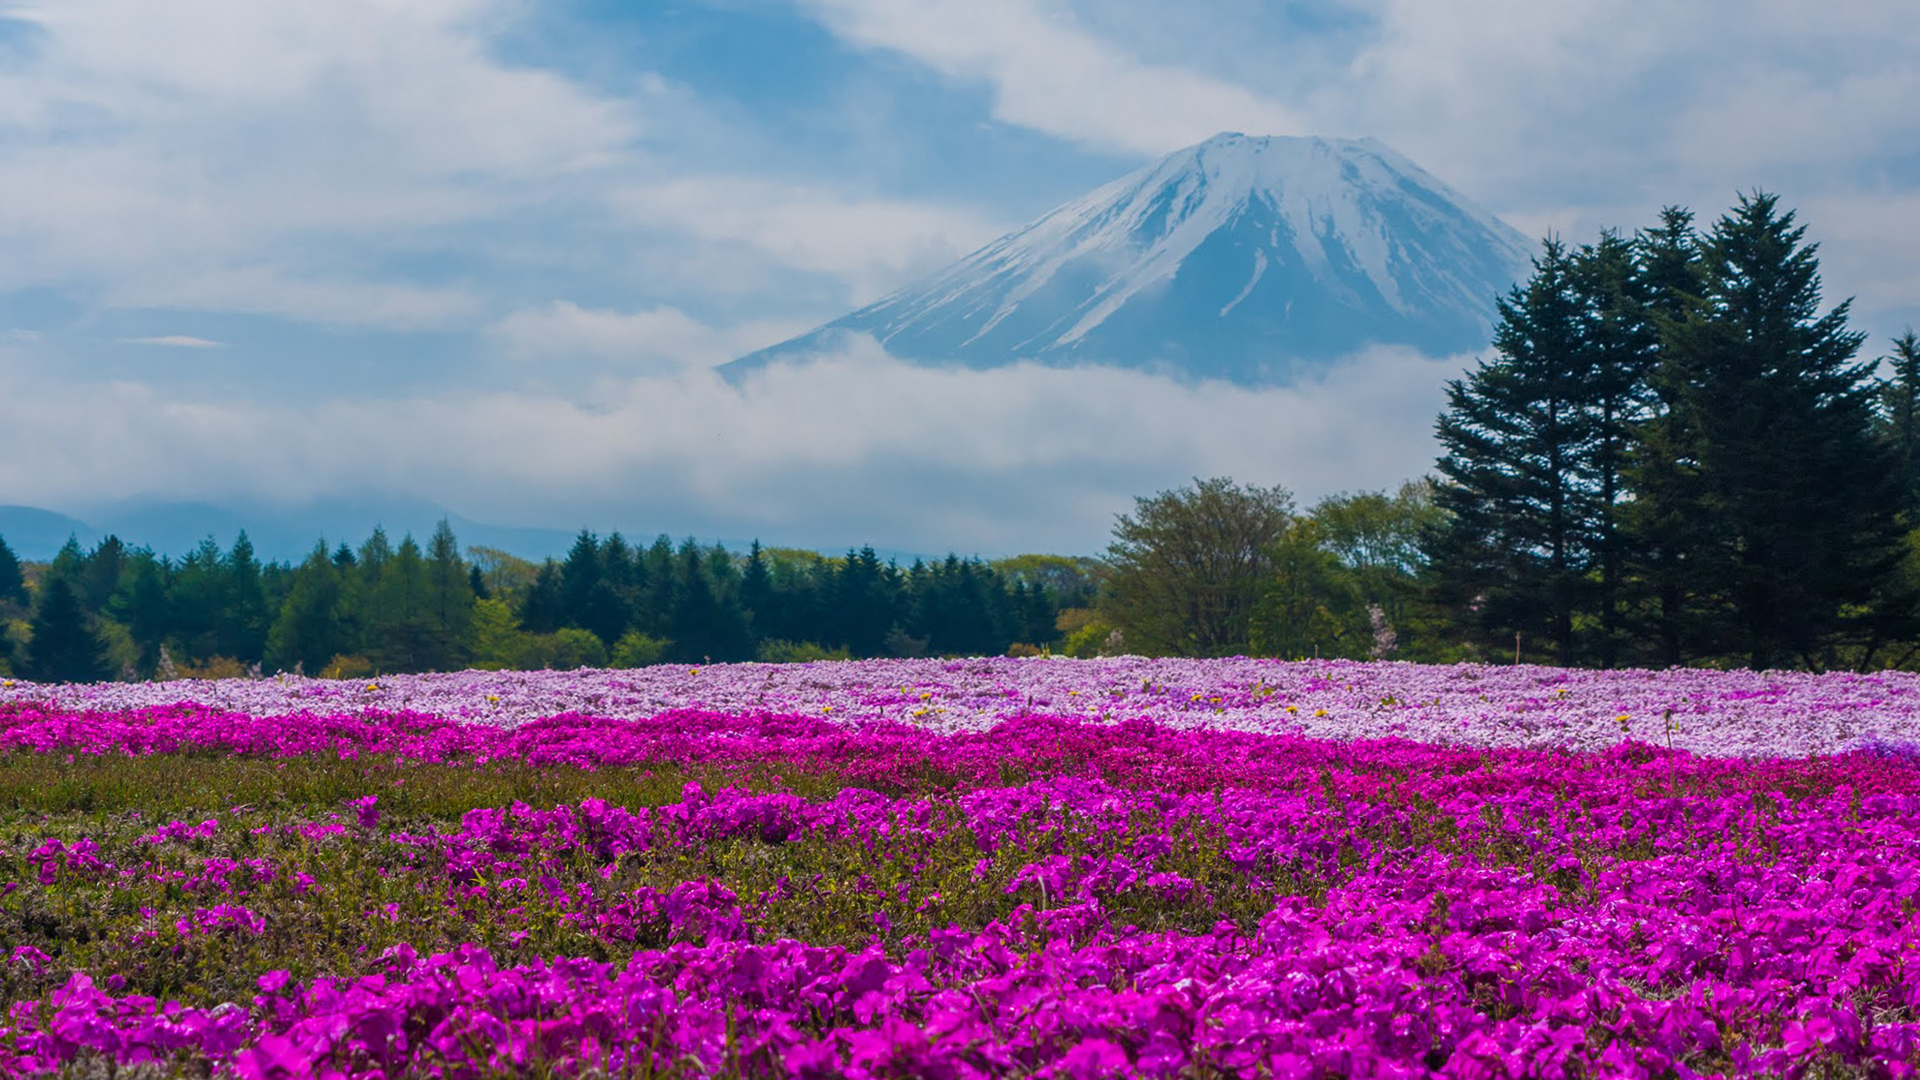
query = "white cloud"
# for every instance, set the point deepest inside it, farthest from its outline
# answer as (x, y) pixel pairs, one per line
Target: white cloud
(848, 448)
(176, 341)
(661, 338)
(1051, 75)
(872, 244)
(261, 157)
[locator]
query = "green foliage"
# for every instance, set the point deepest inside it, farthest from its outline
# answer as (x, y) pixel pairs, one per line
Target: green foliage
(363, 894)
(1898, 421)
(1188, 566)
(1088, 635)
(797, 652)
(13, 584)
(1312, 605)
(314, 624)
(1792, 502)
(635, 650)
(570, 647)
(63, 647)
(1532, 454)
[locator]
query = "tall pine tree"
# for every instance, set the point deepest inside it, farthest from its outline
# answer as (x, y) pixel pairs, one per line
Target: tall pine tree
(1792, 498)
(64, 647)
(1518, 436)
(13, 583)
(449, 604)
(1899, 416)
(1662, 527)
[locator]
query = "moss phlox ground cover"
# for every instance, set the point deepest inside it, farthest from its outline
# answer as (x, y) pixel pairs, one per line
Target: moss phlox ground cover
(765, 891)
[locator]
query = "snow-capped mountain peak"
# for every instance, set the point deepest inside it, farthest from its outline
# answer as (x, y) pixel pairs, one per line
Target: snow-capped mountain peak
(1240, 258)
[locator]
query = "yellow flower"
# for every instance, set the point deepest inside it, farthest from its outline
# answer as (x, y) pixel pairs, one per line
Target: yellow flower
(1319, 712)
(1293, 708)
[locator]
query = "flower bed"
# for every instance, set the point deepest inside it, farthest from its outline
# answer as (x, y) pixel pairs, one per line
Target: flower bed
(1739, 713)
(759, 891)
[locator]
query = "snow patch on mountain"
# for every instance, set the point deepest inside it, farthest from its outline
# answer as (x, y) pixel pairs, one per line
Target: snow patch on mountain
(1246, 259)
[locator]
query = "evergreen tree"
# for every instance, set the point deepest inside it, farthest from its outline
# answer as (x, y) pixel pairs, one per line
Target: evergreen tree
(579, 578)
(197, 598)
(863, 603)
(403, 636)
(756, 592)
(1899, 418)
(144, 606)
(13, 583)
(99, 577)
(371, 597)
(241, 626)
(449, 602)
(1797, 500)
(1516, 436)
(1661, 525)
(64, 648)
(544, 610)
(69, 562)
(660, 601)
(312, 626)
(1618, 351)
(708, 623)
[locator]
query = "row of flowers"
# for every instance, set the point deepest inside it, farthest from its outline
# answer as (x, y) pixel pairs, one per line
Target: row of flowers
(1724, 713)
(1052, 897)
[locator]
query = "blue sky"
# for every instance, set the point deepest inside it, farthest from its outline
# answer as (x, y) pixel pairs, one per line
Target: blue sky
(483, 251)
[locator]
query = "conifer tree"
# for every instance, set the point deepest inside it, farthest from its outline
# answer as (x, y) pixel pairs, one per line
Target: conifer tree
(544, 609)
(143, 604)
(197, 596)
(863, 603)
(1661, 525)
(241, 627)
(449, 602)
(13, 583)
(99, 577)
(64, 647)
(403, 636)
(1899, 415)
(1794, 499)
(311, 627)
(659, 594)
(1517, 469)
(370, 568)
(756, 592)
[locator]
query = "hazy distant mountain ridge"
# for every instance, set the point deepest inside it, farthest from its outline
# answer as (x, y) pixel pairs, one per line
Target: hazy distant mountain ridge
(1239, 258)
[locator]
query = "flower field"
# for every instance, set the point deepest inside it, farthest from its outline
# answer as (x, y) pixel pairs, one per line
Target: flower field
(956, 869)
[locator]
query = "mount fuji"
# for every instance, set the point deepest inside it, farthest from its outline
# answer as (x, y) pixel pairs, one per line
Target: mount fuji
(1251, 260)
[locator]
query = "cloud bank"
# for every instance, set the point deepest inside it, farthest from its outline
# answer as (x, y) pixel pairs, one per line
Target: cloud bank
(843, 449)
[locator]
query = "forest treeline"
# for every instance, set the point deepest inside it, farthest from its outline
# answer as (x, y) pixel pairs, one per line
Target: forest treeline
(1673, 455)
(380, 607)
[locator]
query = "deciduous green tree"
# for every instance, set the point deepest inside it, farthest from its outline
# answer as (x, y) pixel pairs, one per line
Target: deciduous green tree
(1188, 566)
